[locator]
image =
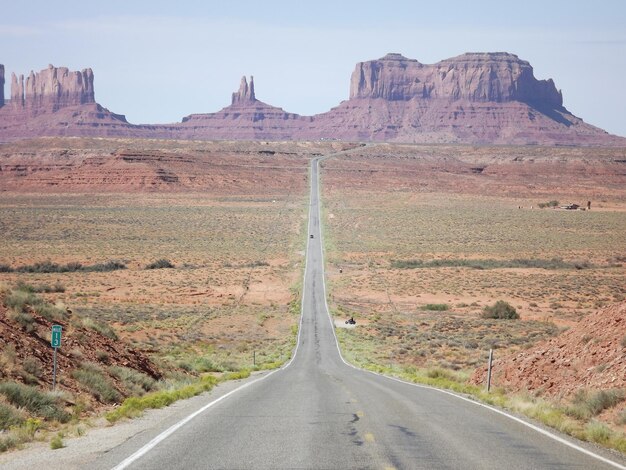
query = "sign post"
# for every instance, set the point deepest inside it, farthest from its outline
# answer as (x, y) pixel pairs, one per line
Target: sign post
(56, 344)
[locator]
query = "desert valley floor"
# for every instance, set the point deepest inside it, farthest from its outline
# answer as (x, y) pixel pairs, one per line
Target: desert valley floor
(419, 239)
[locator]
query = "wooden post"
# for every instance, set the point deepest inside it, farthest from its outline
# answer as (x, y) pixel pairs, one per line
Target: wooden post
(489, 370)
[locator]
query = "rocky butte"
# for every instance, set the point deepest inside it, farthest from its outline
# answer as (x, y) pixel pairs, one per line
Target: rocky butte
(54, 101)
(52, 88)
(478, 77)
(475, 98)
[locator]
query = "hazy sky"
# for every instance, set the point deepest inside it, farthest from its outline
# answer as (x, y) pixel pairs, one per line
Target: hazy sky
(157, 61)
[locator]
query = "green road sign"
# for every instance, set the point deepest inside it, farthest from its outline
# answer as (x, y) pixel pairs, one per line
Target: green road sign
(56, 336)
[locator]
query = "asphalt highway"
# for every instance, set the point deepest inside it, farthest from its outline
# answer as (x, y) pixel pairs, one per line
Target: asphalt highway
(320, 413)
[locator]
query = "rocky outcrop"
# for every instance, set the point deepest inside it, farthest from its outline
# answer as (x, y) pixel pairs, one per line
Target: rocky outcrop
(476, 77)
(52, 88)
(245, 95)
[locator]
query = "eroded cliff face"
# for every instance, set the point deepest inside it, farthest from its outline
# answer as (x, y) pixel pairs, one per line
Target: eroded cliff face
(476, 77)
(52, 88)
(57, 101)
(393, 77)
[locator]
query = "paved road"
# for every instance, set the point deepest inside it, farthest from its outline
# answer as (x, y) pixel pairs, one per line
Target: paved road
(319, 413)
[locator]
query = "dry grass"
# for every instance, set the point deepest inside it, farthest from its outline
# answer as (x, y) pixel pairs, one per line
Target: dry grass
(192, 229)
(404, 246)
(368, 233)
(236, 261)
(408, 236)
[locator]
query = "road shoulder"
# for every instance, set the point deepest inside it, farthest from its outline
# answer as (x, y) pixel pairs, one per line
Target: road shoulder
(91, 449)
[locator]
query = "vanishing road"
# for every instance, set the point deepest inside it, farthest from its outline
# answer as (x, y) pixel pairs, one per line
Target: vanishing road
(318, 412)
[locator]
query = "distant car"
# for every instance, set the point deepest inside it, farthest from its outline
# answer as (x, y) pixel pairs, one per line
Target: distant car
(311, 236)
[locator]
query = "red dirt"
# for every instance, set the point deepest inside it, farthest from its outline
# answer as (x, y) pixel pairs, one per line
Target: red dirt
(590, 355)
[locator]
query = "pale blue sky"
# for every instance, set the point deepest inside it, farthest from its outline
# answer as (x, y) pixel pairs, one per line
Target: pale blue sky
(157, 61)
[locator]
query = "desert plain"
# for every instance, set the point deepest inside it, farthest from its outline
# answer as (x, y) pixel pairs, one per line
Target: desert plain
(419, 239)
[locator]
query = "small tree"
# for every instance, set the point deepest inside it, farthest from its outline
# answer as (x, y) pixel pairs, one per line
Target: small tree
(501, 310)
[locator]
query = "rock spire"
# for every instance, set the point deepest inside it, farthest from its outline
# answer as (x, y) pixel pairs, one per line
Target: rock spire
(245, 95)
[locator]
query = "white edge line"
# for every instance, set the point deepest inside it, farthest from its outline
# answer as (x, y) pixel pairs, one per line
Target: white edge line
(172, 429)
(448, 392)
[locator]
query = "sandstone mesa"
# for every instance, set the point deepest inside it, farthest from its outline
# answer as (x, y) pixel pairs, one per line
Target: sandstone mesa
(475, 98)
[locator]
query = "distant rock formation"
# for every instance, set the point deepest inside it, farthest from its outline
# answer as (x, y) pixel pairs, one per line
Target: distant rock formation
(57, 101)
(476, 77)
(52, 88)
(245, 95)
(475, 98)
(247, 118)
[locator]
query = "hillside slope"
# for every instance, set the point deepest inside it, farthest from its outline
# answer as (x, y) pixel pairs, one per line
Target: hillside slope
(88, 348)
(591, 355)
